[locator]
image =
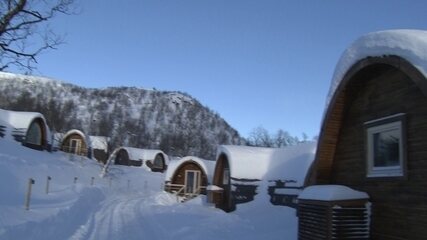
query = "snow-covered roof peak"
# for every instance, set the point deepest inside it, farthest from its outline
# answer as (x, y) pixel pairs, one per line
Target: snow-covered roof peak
(408, 44)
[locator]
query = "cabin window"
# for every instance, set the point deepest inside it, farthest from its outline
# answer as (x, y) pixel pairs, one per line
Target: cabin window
(158, 161)
(385, 147)
(226, 176)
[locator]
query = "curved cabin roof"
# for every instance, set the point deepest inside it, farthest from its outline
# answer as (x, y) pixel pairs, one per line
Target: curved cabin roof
(141, 154)
(208, 166)
(288, 163)
(404, 50)
(292, 163)
(14, 120)
(78, 132)
(246, 162)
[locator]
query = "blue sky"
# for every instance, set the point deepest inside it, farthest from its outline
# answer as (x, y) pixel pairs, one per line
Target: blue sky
(257, 63)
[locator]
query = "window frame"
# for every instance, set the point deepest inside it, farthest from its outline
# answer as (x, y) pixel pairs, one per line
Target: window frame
(393, 122)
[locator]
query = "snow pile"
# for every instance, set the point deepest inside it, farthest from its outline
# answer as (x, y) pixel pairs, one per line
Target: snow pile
(331, 193)
(408, 44)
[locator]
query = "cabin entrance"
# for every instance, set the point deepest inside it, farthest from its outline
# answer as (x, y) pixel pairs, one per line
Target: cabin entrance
(75, 146)
(192, 181)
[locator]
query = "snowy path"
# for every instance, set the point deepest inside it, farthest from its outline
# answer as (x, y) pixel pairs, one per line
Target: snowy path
(118, 217)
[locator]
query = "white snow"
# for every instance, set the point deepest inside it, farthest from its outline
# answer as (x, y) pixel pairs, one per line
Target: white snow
(247, 162)
(19, 120)
(128, 203)
(207, 166)
(408, 44)
(27, 78)
(78, 132)
(331, 193)
(292, 163)
(288, 163)
(99, 142)
(137, 154)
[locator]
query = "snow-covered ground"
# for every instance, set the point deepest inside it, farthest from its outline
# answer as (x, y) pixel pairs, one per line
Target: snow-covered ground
(128, 203)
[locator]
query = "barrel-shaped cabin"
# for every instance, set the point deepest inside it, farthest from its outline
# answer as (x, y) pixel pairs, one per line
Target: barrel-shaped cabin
(76, 142)
(238, 172)
(374, 132)
(156, 160)
(241, 172)
(28, 128)
(189, 176)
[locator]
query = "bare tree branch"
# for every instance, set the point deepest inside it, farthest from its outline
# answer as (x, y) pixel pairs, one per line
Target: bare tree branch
(24, 30)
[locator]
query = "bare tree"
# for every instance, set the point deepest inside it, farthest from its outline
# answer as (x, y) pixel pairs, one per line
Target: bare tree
(260, 137)
(25, 32)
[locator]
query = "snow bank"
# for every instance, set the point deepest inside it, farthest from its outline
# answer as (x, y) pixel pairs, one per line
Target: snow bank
(408, 44)
(331, 193)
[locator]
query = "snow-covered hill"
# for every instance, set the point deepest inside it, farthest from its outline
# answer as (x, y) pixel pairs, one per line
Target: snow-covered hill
(134, 117)
(128, 203)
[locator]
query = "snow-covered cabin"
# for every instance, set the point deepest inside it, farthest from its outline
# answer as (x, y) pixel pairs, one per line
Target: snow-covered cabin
(240, 170)
(28, 128)
(76, 142)
(190, 175)
(156, 160)
(374, 132)
(287, 171)
(99, 146)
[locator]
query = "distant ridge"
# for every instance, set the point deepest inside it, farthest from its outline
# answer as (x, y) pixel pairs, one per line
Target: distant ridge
(172, 121)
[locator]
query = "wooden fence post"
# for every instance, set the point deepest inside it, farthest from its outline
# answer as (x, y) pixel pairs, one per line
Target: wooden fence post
(47, 184)
(28, 197)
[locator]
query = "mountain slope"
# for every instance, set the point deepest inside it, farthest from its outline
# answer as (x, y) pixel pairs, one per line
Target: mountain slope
(172, 121)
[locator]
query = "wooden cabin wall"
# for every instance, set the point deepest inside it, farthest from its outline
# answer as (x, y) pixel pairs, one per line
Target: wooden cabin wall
(66, 143)
(179, 176)
(399, 205)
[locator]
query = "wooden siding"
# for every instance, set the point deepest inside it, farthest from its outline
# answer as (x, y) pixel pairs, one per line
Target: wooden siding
(226, 203)
(179, 175)
(399, 205)
(65, 145)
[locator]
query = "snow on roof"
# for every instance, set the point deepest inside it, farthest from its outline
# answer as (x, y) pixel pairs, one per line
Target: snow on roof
(292, 163)
(208, 166)
(78, 132)
(288, 163)
(19, 120)
(142, 154)
(99, 142)
(408, 44)
(246, 162)
(331, 193)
